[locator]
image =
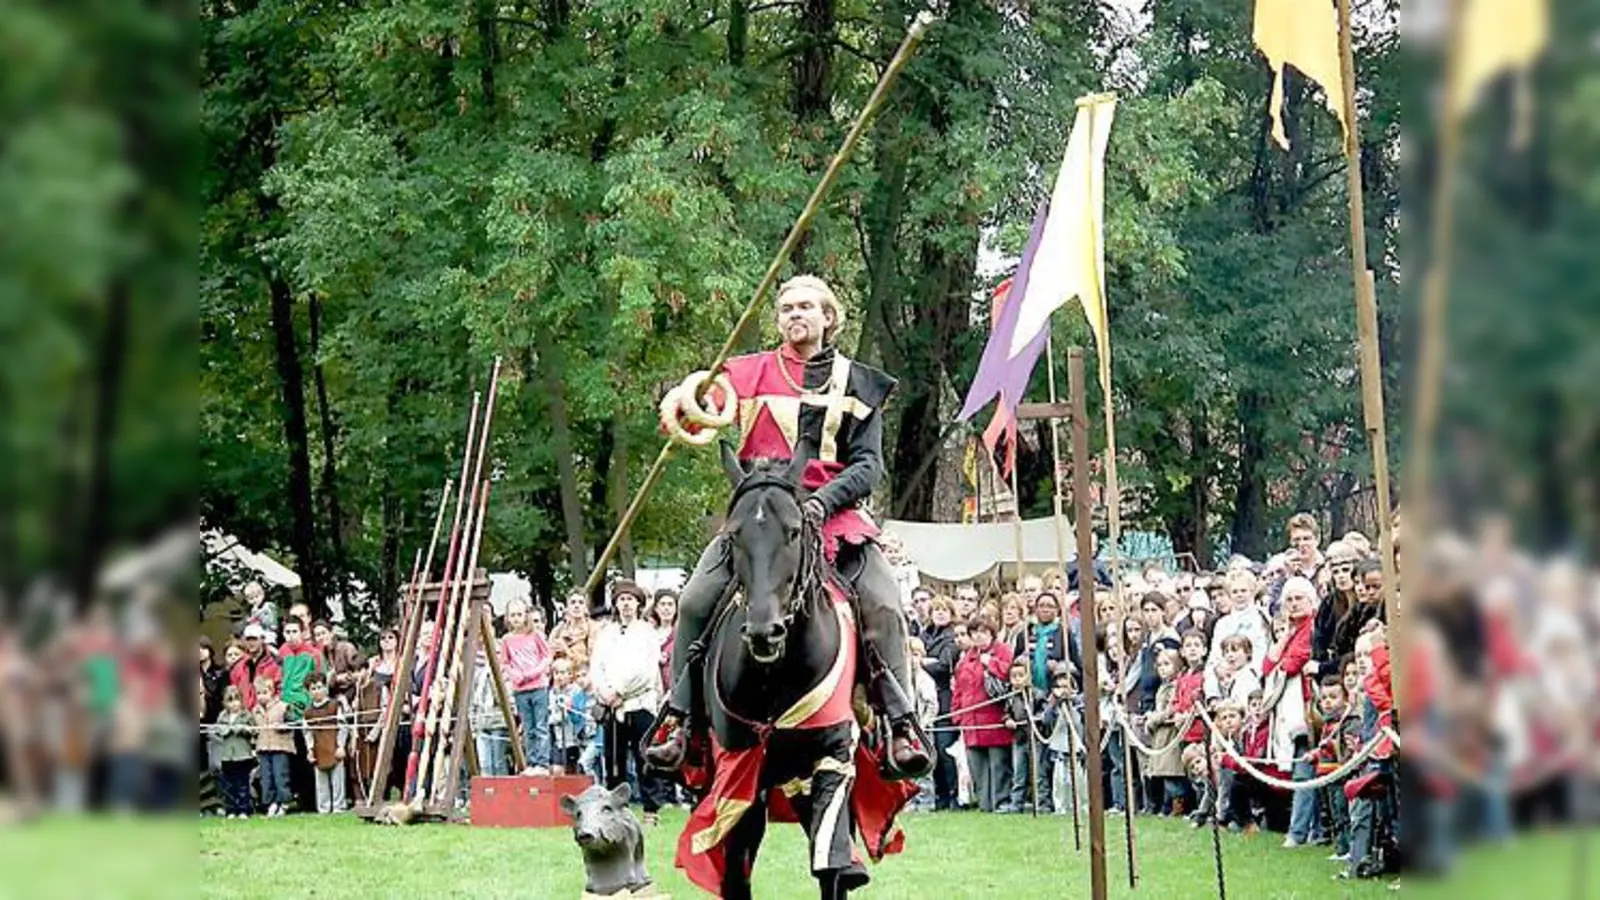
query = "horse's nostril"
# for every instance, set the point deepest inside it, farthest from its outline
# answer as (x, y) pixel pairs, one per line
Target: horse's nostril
(777, 634)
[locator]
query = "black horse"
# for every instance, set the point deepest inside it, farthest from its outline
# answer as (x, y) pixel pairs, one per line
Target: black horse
(767, 656)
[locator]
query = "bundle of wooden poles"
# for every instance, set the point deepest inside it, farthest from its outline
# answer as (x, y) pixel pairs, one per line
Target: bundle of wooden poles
(456, 604)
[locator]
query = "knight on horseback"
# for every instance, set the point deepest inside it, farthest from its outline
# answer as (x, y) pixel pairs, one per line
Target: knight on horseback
(802, 397)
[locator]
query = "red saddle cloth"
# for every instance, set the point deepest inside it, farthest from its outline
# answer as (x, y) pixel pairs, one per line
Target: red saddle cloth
(734, 777)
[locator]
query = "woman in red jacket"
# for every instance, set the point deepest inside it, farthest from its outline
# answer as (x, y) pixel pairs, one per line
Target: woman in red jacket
(1285, 672)
(981, 717)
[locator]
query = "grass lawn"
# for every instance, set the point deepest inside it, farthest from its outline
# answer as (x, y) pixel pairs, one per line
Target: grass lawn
(948, 856)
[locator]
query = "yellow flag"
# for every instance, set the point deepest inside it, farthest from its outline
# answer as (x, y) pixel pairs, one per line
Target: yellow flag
(1303, 34)
(1070, 259)
(1496, 36)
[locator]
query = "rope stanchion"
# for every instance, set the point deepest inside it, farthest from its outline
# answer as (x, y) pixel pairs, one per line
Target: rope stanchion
(1216, 813)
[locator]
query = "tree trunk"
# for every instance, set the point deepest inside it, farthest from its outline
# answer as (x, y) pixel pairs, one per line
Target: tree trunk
(329, 485)
(1200, 486)
(10, 508)
(813, 67)
(107, 398)
(738, 32)
(617, 489)
(812, 81)
(489, 41)
(389, 554)
(566, 469)
(1250, 497)
(303, 533)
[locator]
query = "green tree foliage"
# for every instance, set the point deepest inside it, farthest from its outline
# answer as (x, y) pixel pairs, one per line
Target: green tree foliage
(590, 190)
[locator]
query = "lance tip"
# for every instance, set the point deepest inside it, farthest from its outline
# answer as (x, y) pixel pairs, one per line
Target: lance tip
(922, 21)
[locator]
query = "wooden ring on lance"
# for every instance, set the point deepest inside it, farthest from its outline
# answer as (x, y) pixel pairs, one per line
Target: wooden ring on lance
(693, 386)
(671, 410)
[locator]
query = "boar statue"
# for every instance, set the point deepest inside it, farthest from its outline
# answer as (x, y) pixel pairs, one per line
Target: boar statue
(612, 843)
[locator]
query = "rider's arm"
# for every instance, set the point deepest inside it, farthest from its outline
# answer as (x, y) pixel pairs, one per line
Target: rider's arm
(863, 467)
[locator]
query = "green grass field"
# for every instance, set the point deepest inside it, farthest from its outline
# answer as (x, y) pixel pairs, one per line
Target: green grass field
(948, 856)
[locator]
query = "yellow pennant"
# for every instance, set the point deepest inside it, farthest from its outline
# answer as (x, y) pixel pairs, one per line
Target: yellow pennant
(1495, 37)
(1303, 34)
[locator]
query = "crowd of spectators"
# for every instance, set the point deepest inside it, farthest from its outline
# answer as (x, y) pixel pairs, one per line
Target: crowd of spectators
(291, 715)
(1221, 692)
(1256, 698)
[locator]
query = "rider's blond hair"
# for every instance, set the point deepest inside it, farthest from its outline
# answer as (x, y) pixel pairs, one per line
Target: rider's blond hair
(830, 301)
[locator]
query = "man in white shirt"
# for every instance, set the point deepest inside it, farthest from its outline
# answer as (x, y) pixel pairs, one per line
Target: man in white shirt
(626, 677)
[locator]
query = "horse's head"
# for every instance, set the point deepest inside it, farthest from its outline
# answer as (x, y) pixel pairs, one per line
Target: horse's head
(765, 529)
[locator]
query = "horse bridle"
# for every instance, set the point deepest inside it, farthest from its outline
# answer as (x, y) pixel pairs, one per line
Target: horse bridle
(809, 577)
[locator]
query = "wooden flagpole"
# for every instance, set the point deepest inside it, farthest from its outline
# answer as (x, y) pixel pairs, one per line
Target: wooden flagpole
(1086, 589)
(1367, 330)
(1086, 572)
(1061, 552)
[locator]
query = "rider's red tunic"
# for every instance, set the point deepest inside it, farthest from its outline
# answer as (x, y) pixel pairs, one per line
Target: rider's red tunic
(832, 402)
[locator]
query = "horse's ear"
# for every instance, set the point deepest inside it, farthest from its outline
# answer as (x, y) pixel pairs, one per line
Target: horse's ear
(803, 453)
(622, 793)
(569, 805)
(730, 464)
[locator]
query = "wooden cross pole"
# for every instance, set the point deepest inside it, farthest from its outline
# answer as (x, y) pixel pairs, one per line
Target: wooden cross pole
(1086, 588)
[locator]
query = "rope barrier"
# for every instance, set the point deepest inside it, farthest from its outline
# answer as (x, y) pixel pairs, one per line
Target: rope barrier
(1344, 771)
(1133, 735)
(966, 709)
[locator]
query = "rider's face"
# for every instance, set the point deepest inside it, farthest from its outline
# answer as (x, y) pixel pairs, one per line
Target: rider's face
(802, 319)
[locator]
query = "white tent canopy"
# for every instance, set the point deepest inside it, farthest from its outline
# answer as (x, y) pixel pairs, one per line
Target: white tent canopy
(225, 548)
(956, 552)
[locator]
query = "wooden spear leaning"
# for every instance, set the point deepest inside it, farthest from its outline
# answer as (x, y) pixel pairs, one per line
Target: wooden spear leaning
(458, 662)
(457, 529)
(447, 648)
(891, 73)
(408, 649)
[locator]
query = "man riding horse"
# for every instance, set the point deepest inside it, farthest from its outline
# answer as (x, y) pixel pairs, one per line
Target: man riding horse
(806, 396)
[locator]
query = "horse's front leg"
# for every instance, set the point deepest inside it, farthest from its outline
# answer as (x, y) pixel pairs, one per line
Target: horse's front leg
(830, 826)
(739, 852)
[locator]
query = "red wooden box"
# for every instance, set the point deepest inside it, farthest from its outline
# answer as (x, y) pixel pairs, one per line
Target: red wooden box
(524, 801)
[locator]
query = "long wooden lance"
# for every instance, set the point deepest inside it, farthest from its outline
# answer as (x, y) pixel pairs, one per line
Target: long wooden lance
(457, 532)
(457, 662)
(411, 625)
(445, 645)
(880, 93)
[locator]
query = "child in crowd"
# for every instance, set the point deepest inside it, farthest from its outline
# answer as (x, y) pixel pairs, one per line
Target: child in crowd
(274, 746)
(1022, 712)
(571, 729)
(298, 658)
(1194, 765)
(1233, 676)
(1370, 798)
(489, 731)
(526, 658)
(1245, 794)
(1188, 694)
(1229, 718)
(926, 694)
(236, 752)
(1058, 718)
(1165, 730)
(327, 723)
(1341, 739)
(1350, 677)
